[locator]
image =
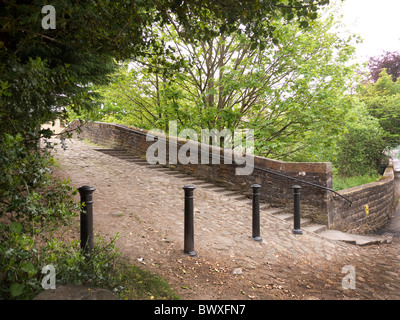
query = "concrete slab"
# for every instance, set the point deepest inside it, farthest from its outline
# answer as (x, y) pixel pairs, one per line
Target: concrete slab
(360, 240)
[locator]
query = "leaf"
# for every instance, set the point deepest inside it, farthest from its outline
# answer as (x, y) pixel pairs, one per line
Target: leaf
(29, 268)
(16, 227)
(254, 46)
(17, 289)
(304, 24)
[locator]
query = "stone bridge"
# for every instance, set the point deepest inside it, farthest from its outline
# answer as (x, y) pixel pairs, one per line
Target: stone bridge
(370, 208)
(144, 204)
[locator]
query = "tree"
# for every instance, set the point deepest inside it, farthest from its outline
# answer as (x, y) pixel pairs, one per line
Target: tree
(389, 61)
(382, 100)
(141, 98)
(360, 148)
(82, 49)
(284, 91)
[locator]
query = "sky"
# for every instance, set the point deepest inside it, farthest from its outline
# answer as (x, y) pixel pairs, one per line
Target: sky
(378, 23)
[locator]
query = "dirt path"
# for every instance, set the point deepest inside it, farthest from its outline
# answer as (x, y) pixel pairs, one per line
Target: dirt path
(145, 206)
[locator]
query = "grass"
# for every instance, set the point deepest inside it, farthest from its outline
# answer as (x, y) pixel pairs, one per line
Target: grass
(140, 284)
(341, 183)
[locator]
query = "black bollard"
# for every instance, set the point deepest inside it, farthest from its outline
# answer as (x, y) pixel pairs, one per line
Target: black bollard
(86, 194)
(256, 212)
(296, 218)
(189, 222)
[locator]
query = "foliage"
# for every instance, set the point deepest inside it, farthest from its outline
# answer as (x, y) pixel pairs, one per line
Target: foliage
(389, 61)
(200, 20)
(341, 183)
(140, 284)
(360, 148)
(305, 107)
(30, 201)
(377, 127)
(383, 102)
(42, 71)
(292, 93)
(23, 258)
(28, 193)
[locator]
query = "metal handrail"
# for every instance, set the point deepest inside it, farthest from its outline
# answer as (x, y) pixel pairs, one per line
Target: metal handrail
(304, 182)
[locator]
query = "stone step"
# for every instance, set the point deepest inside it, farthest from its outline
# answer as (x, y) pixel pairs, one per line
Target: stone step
(227, 193)
(110, 150)
(305, 222)
(289, 217)
(128, 157)
(194, 181)
(156, 166)
(161, 168)
(270, 210)
(116, 153)
(316, 228)
(135, 160)
(241, 197)
(222, 190)
(360, 240)
(176, 174)
(205, 184)
(284, 216)
(215, 188)
(191, 178)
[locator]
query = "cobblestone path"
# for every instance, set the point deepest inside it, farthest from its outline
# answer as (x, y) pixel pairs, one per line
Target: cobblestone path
(144, 204)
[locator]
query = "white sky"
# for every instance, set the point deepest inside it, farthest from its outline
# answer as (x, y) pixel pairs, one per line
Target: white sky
(377, 22)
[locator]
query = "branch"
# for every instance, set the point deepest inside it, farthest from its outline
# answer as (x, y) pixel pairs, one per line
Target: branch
(41, 35)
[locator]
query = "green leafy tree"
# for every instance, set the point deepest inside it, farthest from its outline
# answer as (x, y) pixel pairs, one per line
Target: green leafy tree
(294, 93)
(383, 102)
(360, 148)
(42, 70)
(143, 99)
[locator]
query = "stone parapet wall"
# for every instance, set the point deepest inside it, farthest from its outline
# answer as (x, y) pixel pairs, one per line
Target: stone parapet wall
(372, 206)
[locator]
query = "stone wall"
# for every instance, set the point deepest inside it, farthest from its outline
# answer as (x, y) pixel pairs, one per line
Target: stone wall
(372, 206)
(276, 190)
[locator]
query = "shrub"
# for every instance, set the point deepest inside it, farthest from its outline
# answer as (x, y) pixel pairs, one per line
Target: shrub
(360, 148)
(33, 205)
